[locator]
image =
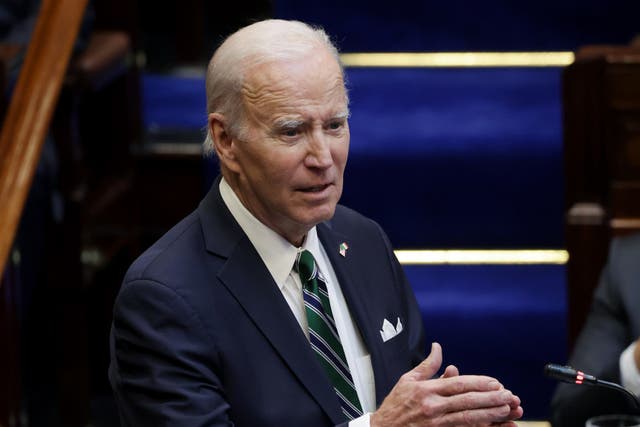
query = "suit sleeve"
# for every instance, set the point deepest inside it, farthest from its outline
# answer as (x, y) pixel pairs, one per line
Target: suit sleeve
(163, 363)
(604, 337)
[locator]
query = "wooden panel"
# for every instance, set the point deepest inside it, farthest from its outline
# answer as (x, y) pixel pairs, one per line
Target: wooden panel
(602, 159)
(624, 199)
(585, 165)
(624, 135)
(621, 83)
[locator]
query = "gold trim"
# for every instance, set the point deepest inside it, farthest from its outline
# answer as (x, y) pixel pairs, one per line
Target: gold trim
(458, 59)
(481, 256)
(533, 424)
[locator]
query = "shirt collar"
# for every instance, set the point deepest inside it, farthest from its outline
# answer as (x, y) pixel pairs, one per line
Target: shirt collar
(275, 251)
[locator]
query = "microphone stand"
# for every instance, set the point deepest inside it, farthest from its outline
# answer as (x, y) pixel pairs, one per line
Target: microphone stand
(570, 375)
(614, 386)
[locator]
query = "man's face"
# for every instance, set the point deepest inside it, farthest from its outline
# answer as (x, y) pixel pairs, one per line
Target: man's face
(291, 157)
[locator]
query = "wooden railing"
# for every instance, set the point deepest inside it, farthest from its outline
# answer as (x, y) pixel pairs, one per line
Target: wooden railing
(31, 109)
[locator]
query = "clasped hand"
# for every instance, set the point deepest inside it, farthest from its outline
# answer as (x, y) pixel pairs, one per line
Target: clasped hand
(418, 399)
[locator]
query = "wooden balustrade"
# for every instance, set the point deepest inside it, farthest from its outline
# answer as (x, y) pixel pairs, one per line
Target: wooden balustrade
(25, 124)
(31, 108)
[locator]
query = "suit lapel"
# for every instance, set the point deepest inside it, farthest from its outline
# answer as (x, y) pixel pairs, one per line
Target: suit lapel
(251, 284)
(248, 280)
(355, 291)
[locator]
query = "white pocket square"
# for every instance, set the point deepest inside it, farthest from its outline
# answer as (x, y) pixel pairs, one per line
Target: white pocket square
(388, 331)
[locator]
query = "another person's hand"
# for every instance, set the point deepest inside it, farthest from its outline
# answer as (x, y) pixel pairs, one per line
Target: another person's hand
(418, 399)
(636, 353)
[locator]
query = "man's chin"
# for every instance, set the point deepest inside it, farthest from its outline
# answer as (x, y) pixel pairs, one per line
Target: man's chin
(316, 215)
(325, 215)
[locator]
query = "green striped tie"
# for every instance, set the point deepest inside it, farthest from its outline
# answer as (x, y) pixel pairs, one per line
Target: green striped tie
(323, 335)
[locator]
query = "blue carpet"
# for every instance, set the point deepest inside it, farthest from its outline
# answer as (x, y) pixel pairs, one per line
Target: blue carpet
(503, 321)
(172, 103)
(441, 158)
(458, 25)
(458, 157)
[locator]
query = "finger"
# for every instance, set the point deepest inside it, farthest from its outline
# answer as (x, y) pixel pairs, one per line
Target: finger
(465, 383)
(477, 400)
(515, 413)
(429, 366)
(515, 402)
(450, 371)
(481, 416)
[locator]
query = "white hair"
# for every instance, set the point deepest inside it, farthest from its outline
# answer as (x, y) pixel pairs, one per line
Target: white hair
(266, 41)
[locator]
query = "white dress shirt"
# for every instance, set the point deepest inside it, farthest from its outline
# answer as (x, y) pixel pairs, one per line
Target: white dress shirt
(629, 374)
(279, 257)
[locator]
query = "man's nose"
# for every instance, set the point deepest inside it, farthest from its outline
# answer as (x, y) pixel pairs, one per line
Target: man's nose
(319, 154)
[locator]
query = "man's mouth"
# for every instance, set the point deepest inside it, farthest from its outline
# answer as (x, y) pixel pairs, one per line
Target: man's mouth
(315, 189)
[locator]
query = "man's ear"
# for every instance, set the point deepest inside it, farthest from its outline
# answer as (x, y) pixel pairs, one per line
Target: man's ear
(223, 143)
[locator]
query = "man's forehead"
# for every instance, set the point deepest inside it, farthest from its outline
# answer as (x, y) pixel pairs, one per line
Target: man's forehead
(283, 83)
(275, 72)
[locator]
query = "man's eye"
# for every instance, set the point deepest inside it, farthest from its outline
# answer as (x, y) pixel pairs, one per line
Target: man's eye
(290, 132)
(336, 125)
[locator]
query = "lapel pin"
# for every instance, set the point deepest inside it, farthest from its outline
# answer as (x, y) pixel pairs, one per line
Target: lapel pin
(343, 249)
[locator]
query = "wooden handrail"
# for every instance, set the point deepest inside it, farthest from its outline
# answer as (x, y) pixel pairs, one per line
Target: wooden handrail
(32, 105)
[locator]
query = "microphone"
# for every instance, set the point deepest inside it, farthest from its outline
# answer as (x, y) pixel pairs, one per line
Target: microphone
(570, 375)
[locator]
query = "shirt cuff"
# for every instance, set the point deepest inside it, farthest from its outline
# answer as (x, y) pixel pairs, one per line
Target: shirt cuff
(362, 421)
(629, 374)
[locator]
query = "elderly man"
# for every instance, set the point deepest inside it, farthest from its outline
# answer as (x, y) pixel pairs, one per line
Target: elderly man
(271, 305)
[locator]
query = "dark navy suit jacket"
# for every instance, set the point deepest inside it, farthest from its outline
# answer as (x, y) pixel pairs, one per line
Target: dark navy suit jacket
(202, 336)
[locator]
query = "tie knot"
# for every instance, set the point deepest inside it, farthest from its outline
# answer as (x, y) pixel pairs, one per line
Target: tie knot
(306, 266)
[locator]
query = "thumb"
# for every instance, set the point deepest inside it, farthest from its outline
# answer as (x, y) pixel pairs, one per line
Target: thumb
(450, 371)
(429, 366)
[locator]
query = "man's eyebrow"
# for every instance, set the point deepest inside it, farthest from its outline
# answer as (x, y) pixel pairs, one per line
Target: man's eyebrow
(341, 116)
(290, 123)
(286, 123)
